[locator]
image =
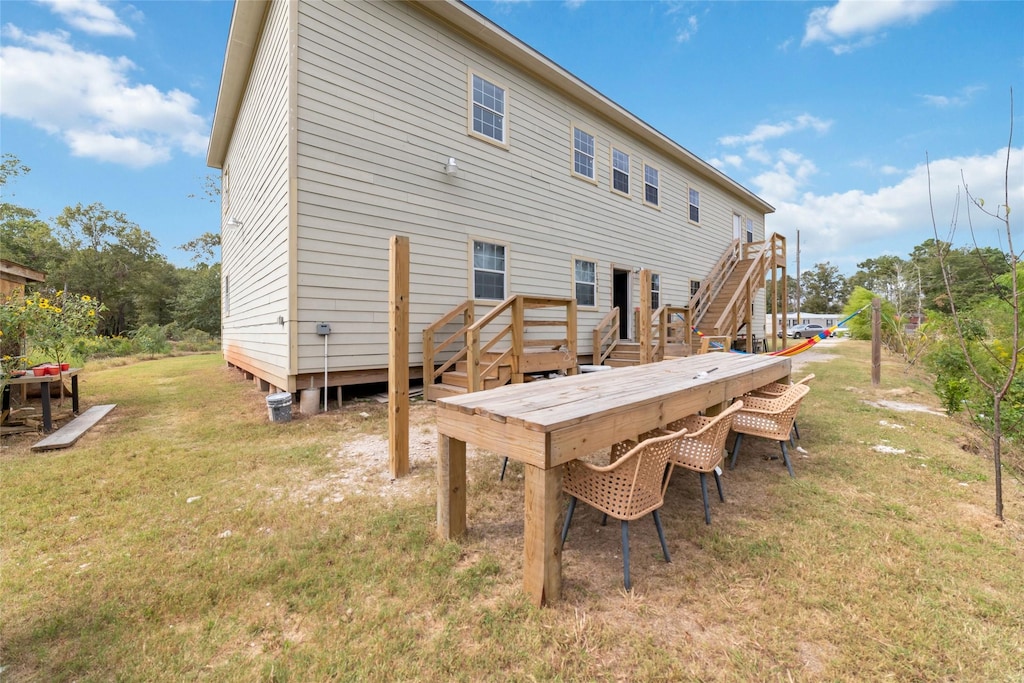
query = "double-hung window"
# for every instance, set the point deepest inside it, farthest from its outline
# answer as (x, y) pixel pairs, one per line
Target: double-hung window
(488, 112)
(620, 171)
(583, 154)
(655, 291)
(652, 188)
(748, 225)
(585, 278)
(694, 205)
(488, 270)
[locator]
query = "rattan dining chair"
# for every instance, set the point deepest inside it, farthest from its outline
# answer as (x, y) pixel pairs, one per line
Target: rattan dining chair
(702, 448)
(777, 389)
(770, 418)
(627, 489)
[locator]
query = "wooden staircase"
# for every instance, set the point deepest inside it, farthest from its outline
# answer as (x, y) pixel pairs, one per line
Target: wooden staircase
(508, 344)
(722, 305)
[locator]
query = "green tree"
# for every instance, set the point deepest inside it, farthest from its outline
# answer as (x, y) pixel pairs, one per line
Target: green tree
(824, 289)
(197, 304)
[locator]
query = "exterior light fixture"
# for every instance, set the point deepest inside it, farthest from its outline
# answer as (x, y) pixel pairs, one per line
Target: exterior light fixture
(451, 167)
(234, 223)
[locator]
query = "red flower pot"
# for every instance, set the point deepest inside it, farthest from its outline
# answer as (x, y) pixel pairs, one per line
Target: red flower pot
(52, 369)
(65, 367)
(39, 372)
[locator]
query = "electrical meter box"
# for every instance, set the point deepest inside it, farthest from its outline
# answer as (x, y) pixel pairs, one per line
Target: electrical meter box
(323, 329)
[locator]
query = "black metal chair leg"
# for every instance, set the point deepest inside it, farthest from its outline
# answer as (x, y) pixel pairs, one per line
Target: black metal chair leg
(625, 554)
(568, 517)
(503, 466)
(735, 451)
(785, 457)
(661, 535)
(718, 483)
(704, 497)
(796, 429)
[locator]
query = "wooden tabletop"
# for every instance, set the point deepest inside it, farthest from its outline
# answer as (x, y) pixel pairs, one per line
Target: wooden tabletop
(29, 378)
(568, 417)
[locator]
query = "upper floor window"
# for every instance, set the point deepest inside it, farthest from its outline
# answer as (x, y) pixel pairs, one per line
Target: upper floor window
(489, 110)
(583, 154)
(694, 205)
(488, 270)
(652, 188)
(620, 171)
(655, 291)
(694, 287)
(748, 226)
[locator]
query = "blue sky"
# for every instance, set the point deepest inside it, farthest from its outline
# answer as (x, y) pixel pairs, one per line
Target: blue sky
(825, 109)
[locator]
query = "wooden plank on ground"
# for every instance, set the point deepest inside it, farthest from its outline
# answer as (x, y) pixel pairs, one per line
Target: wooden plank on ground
(72, 431)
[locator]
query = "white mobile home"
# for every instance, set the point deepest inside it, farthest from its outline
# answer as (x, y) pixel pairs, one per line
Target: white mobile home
(341, 124)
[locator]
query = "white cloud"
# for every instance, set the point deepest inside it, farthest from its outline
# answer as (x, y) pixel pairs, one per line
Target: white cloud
(90, 16)
(688, 30)
(90, 101)
(790, 172)
(847, 227)
(769, 131)
(961, 99)
(852, 24)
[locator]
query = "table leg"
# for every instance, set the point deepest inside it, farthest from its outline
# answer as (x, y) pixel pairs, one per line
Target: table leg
(44, 395)
(74, 394)
(6, 408)
(542, 552)
(451, 487)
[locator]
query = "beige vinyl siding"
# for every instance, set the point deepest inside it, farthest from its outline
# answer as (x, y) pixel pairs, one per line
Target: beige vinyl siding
(255, 256)
(381, 105)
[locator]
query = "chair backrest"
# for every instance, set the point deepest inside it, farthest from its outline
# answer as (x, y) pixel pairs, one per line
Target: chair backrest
(715, 343)
(702, 448)
(771, 418)
(637, 482)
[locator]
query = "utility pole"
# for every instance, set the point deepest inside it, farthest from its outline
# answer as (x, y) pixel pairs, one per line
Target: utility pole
(797, 277)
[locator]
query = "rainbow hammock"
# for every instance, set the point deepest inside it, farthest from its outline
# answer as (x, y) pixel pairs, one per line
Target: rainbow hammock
(806, 343)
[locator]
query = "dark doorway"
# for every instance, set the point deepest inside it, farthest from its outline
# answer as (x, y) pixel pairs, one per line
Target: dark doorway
(620, 298)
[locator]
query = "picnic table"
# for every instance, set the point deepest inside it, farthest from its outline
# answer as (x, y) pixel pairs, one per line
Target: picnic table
(548, 423)
(44, 382)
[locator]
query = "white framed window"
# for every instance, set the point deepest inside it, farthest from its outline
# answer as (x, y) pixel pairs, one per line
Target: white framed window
(227, 295)
(489, 270)
(585, 282)
(583, 150)
(225, 188)
(655, 291)
(694, 206)
(748, 228)
(488, 110)
(694, 286)
(620, 172)
(652, 186)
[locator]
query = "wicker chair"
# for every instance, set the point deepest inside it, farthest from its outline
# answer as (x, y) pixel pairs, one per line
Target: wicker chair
(777, 389)
(771, 418)
(701, 449)
(627, 489)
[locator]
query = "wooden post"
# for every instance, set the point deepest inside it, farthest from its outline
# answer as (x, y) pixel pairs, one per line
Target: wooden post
(451, 487)
(542, 549)
(644, 321)
(876, 342)
(572, 336)
(398, 356)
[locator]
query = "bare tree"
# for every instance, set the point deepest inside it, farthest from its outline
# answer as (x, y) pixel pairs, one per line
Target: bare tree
(997, 382)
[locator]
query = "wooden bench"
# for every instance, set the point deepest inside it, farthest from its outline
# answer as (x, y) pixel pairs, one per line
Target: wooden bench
(72, 431)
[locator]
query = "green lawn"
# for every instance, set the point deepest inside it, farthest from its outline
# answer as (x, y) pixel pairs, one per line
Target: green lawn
(188, 537)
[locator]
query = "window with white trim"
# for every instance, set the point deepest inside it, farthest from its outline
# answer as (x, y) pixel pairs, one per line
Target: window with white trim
(488, 112)
(655, 291)
(227, 295)
(652, 188)
(583, 154)
(620, 171)
(748, 225)
(694, 287)
(694, 205)
(488, 270)
(585, 280)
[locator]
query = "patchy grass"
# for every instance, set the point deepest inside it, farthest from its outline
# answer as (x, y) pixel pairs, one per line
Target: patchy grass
(188, 537)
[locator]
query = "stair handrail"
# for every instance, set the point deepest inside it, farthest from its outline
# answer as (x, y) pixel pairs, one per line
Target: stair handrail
(431, 351)
(604, 331)
(702, 299)
(755, 272)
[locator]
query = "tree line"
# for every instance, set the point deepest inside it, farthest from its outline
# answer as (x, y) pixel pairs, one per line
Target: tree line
(100, 252)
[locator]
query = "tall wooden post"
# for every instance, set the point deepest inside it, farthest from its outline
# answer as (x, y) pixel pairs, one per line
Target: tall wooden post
(876, 342)
(644, 322)
(398, 356)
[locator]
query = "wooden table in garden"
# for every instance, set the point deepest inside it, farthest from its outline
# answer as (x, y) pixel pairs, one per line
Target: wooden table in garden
(545, 424)
(44, 382)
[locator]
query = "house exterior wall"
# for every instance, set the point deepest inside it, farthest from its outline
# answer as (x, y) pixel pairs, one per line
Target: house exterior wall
(382, 103)
(255, 190)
